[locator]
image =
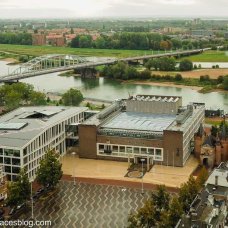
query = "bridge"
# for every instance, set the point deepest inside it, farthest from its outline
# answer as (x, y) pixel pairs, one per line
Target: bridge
(60, 62)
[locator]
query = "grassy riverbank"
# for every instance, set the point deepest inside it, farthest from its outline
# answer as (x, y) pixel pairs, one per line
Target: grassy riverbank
(43, 50)
(210, 56)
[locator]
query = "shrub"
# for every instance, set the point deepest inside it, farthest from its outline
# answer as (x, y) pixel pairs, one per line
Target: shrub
(178, 77)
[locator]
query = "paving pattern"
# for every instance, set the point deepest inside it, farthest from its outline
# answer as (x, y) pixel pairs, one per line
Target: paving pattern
(88, 206)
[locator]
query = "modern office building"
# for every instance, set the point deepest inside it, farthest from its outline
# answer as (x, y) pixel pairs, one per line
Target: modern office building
(27, 133)
(156, 128)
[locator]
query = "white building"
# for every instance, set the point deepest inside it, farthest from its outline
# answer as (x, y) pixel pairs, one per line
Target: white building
(27, 133)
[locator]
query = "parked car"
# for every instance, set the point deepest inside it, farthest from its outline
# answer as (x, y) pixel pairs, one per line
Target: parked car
(12, 211)
(21, 206)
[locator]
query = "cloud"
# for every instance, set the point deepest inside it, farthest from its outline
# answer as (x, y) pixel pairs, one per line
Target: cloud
(114, 8)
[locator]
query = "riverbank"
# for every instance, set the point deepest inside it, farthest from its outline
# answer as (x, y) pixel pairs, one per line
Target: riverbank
(163, 84)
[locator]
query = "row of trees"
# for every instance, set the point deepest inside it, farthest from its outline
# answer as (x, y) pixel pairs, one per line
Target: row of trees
(49, 174)
(123, 71)
(168, 64)
(163, 210)
(137, 41)
(16, 38)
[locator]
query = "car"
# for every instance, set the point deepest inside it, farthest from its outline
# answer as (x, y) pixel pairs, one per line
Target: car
(21, 206)
(12, 211)
(40, 190)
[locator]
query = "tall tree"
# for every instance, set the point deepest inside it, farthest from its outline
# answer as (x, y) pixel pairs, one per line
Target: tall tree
(72, 97)
(19, 191)
(50, 170)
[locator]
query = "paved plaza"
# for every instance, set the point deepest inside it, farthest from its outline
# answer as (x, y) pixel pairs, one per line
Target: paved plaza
(113, 170)
(88, 206)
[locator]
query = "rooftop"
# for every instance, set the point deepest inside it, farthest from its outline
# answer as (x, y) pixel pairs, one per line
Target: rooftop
(169, 99)
(140, 121)
(20, 126)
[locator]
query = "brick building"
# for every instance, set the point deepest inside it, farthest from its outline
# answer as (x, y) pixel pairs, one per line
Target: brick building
(156, 128)
(38, 39)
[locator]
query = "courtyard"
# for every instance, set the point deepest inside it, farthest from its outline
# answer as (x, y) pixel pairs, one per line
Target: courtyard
(112, 170)
(87, 205)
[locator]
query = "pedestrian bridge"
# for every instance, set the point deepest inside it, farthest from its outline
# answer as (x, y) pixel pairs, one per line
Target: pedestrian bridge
(60, 62)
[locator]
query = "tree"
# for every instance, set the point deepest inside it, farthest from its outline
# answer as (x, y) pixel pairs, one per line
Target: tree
(225, 83)
(202, 177)
(178, 77)
(144, 217)
(188, 192)
(130, 73)
(145, 74)
(19, 191)
(186, 65)
(161, 200)
(50, 170)
(175, 211)
(72, 97)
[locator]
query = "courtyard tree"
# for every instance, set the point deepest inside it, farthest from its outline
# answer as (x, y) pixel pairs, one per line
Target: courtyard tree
(202, 177)
(72, 97)
(144, 217)
(188, 192)
(50, 170)
(19, 190)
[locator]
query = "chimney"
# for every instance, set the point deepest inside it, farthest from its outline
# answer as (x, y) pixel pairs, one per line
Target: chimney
(216, 181)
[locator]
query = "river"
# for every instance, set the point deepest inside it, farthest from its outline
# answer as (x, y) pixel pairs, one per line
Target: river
(110, 90)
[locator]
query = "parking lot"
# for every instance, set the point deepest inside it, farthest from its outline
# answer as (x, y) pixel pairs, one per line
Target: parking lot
(87, 205)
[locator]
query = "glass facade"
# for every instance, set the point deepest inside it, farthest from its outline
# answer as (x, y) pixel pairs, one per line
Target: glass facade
(115, 150)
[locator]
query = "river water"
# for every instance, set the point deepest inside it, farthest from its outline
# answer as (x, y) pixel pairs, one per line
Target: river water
(110, 90)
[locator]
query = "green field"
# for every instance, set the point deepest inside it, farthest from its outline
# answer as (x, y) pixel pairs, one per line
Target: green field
(210, 56)
(42, 50)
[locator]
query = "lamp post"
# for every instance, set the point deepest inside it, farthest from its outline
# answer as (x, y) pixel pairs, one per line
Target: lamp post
(73, 153)
(32, 203)
(142, 160)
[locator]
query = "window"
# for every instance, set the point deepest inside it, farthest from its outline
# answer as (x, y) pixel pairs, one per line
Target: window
(101, 147)
(158, 152)
(25, 160)
(16, 153)
(8, 169)
(136, 150)
(129, 150)
(115, 149)
(150, 151)
(16, 161)
(7, 160)
(1, 159)
(122, 149)
(25, 151)
(143, 151)
(15, 169)
(1, 151)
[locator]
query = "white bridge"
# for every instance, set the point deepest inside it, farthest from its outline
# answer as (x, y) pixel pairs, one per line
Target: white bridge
(60, 62)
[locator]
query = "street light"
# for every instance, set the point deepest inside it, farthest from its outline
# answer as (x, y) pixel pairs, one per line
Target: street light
(32, 204)
(142, 160)
(73, 153)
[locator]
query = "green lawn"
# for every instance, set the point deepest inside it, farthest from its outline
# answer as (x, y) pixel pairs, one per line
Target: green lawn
(42, 50)
(210, 56)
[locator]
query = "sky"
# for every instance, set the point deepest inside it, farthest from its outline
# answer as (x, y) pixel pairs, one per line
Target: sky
(112, 8)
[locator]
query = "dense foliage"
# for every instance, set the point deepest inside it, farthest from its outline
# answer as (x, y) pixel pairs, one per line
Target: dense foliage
(164, 210)
(163, 64)
(17, 94)
(186, 65)
(72, 97)
(18, 191)
(50, 170)
(16, 38)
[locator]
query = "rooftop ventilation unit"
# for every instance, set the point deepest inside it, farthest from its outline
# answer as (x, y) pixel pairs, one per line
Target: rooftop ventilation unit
(182, 117)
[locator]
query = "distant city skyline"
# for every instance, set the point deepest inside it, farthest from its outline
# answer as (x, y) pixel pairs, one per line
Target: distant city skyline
(112, 8)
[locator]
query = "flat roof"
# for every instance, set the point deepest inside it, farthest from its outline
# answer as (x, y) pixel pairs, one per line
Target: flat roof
(140, 121)
(22, 125)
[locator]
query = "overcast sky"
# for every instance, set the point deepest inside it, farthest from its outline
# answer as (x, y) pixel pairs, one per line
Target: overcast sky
(112, 8)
